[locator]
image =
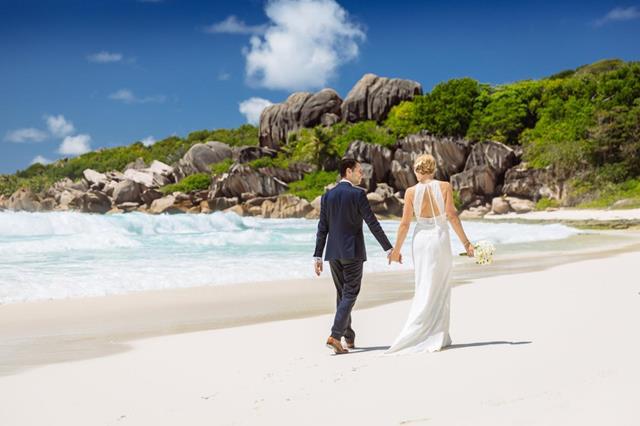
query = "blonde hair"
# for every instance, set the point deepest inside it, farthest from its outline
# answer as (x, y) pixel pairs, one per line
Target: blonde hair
(425, 164)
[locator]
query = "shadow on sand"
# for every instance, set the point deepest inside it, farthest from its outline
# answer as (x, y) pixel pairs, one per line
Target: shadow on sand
(456, 346)
(495, 342)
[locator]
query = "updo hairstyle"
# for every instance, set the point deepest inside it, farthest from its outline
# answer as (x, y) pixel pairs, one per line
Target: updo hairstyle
(425, 164)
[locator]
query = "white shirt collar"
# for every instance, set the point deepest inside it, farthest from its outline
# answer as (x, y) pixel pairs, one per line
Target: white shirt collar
(345, 180)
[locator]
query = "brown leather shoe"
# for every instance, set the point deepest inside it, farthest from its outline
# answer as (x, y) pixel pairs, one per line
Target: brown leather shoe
(336, 346)
(351, 343)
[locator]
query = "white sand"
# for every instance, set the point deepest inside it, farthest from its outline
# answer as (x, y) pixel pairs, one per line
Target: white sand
(556, 347)
(572, 215)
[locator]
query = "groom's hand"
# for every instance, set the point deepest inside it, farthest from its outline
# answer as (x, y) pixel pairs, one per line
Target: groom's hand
(318, 267)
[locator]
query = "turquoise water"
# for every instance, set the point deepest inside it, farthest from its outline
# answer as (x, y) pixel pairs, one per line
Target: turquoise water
(64, 254)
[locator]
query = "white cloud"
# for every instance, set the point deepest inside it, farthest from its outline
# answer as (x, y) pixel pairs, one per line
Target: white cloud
(223, 76)
(25, 135)
(619, 14)
(233, 25)
(75, 145)
(123, 95)
(40, 159)
(104, 57)
(127, 96)
(59, 126)
(305, 43)
(148, 141)
(252, 108)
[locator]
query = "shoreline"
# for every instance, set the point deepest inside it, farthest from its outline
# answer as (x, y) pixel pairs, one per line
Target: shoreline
(578, 218)
(57, 256)
(606, 218)
(43, 332)
(527, 349)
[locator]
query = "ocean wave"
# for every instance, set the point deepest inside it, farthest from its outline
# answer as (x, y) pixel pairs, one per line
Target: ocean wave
(65, 254)
(25, 224)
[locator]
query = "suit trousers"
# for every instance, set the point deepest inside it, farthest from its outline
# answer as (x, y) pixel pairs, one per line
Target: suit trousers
(347, 277)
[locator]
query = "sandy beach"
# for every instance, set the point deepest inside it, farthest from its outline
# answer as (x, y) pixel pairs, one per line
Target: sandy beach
(173, 174)
(623, 218)
(553, 344)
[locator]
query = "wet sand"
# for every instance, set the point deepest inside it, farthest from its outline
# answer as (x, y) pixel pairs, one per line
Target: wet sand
(540, 339)
(44, 332)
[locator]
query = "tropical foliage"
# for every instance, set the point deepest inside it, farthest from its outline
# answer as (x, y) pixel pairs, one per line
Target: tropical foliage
(312, 185)
(584, 123)
(38, 176)
(196, 182)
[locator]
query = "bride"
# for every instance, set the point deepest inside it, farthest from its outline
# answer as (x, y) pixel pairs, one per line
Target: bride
(431, 201)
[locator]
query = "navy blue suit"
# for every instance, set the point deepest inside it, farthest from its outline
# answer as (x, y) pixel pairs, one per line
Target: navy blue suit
(342, 211)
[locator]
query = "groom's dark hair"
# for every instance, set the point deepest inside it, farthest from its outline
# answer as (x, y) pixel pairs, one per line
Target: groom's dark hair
(346, 163)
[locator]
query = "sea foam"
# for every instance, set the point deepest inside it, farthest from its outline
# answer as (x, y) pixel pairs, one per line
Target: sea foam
(67, 254)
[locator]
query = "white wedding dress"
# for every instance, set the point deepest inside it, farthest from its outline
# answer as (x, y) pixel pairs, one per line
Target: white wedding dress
(427, 326)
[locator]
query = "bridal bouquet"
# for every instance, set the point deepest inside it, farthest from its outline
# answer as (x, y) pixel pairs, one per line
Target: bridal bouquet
(484, 251)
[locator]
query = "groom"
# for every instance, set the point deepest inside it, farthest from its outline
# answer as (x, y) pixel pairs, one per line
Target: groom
(342, 210)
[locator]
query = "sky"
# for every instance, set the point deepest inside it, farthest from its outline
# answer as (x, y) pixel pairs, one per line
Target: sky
(79, 75)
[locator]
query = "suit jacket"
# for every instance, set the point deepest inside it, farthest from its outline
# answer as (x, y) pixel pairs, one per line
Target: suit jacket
(342, 210)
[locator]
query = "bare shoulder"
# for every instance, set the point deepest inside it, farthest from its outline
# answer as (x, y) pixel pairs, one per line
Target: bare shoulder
(444, 185)
(408, 193)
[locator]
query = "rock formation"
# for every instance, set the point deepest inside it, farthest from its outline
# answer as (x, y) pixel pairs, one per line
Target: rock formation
(373, 97)
(370, 99)
(243, 179)
(523, 181)
(200, 157)
(450, 154)
(300, 110)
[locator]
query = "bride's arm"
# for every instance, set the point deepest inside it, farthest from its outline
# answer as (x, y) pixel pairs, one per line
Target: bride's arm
(452, 215)
(405, 223)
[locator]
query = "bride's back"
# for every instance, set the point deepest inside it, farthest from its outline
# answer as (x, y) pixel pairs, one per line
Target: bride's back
(428, 201)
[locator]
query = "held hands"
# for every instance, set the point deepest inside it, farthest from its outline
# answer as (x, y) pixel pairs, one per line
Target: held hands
(394, 256)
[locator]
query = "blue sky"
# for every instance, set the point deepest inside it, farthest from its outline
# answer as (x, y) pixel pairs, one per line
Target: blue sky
(86, 74)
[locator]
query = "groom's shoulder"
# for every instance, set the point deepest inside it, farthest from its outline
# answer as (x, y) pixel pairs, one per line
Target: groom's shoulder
(342, 187)
(355, 191)
(343, 192)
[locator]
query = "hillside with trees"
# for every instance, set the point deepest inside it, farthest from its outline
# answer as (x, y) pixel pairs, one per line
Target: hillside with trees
(581, 128)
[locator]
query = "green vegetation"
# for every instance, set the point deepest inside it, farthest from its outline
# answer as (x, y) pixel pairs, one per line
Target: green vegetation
(279, 162)
(314, 146)
(606, 195)
(599, 67)
(243, 135)
(456, 200)
(504, 112)
(446, 111)
(221, 167)
(545, 203)
(319, 145)
(560, 136)
(584, 123)
(589, 123)
(402, 120)
(197, 182)
(366, 131)
(312, 185)
(38, 177)
(11, 183)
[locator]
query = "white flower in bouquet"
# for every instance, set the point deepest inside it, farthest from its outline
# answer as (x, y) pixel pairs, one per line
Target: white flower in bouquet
(483, 252)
